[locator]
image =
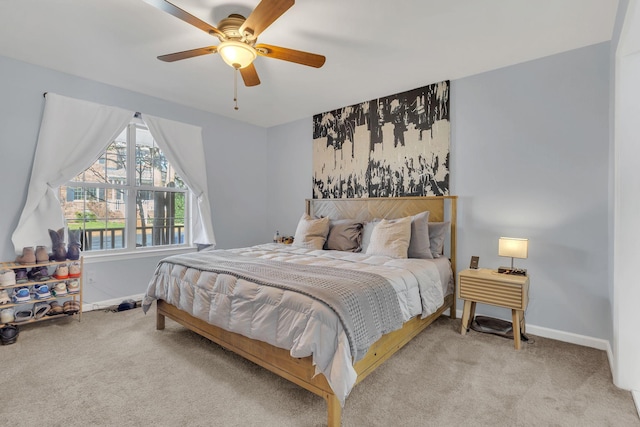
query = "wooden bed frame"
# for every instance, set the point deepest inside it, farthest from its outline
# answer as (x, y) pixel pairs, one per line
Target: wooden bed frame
(301, 370)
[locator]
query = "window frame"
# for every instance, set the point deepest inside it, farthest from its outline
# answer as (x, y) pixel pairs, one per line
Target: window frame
(130, 189)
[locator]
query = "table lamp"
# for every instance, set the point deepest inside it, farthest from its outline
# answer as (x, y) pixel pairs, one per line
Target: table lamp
(515, 248)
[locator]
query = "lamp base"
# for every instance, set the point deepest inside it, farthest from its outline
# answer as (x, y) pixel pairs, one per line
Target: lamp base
(514, 271)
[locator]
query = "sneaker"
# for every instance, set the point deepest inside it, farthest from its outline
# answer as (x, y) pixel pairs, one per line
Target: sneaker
(43, 292)
(73, 286)
(21, 275)
(39, 274)
(6, 315)
(21, 295)
(62, 272)
(7, 278)
(60, 289)
(74, 269)
(4, 298)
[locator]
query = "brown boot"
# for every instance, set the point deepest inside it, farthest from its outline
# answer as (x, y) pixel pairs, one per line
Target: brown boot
(28, 256)
(42, 256)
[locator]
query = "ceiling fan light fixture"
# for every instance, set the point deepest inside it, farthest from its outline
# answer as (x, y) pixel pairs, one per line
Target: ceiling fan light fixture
(237, 54)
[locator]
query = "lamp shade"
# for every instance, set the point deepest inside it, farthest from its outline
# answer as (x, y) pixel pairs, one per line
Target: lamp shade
(237, 54)
(513, 247)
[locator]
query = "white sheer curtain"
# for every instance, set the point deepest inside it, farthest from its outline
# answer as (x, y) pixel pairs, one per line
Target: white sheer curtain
(72, 135)
(182, 145)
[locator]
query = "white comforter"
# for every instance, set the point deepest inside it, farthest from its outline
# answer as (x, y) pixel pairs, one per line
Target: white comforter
(291, 320)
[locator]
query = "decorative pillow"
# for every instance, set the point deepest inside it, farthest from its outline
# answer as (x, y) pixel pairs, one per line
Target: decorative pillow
(391, 238)
(437, 234)
(419, 246)
(366, 233)
(311, 233)
(344, 235)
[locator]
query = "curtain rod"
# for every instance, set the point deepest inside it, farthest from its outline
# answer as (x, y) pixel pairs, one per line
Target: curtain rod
(137, 114)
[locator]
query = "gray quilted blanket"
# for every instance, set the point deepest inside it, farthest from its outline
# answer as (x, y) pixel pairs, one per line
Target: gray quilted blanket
(366, 304)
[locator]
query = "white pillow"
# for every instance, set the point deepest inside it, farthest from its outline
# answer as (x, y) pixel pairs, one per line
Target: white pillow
(311, 233)
(391, 238)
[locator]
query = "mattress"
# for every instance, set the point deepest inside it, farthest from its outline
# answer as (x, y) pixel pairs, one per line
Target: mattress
(291, 320)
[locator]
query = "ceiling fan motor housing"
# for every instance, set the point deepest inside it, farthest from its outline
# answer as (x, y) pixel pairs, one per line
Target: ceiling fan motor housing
(230, 26)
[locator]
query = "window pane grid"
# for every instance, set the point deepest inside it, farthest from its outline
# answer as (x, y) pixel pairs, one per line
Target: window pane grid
(98, 200)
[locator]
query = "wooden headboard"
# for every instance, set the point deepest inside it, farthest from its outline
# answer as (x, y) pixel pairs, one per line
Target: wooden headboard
(441, 208)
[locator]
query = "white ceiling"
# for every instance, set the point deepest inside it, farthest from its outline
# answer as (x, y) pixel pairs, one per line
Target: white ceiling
(373, 47)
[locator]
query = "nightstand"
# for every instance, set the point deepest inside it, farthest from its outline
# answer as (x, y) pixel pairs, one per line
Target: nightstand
(490, 287)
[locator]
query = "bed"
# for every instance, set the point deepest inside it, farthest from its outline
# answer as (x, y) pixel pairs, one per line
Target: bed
(314, 344)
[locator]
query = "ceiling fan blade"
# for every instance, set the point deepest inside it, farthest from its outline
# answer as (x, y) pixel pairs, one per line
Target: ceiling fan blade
(185, 16)
(264, 14)
(291, 55)
(171, 57)
(250, 75)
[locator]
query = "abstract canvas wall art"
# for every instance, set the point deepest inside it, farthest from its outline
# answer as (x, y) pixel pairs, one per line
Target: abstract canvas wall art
(387, 147)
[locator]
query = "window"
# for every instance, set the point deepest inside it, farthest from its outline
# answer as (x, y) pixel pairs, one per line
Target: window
(131, 197)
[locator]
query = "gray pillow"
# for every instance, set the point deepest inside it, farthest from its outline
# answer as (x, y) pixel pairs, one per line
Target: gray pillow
(437, 234)
(344, 235)
(419, 246)
(366, 233)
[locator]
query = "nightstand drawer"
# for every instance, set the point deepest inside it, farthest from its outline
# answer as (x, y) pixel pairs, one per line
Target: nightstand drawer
(491, 291)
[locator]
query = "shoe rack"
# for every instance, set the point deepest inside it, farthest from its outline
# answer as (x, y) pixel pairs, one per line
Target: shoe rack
(31, 283)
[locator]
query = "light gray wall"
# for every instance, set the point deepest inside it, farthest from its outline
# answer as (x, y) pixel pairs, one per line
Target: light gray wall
(529, 158)
(289, 161)
(235, 155)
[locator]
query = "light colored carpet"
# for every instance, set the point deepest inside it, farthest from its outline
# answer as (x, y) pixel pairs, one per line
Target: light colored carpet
(115, 369)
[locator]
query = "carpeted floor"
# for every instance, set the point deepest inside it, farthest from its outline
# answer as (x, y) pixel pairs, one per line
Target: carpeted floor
(115, 369)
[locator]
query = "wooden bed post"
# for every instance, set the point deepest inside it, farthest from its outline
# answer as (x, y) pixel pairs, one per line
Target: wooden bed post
(159, 321)
(334, 411)
(454, 222)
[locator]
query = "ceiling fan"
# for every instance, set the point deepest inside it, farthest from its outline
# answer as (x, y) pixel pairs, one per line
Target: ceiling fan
(238, 38)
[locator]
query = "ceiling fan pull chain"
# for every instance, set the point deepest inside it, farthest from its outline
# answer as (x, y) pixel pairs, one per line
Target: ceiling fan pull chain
(235, 87)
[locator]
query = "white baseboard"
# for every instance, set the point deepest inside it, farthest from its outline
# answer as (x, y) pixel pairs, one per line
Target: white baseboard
(569, 337)
(636, 399)
(102, 305)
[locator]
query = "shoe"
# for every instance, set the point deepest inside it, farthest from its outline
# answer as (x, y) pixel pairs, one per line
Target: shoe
(6, 315)
(9, 334)
(28, 256)
(43, 292)
(4, 298)
(73, 286)
(74, 246)
(21, 275)
(62, 272)
(60, 289)
(40, 309)
(71, 307)
(74, 269)
(55, 308)
(39, 274)
(7, 278)
(23, 315)
(21, 295)
(42, 256)
(57, 244)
